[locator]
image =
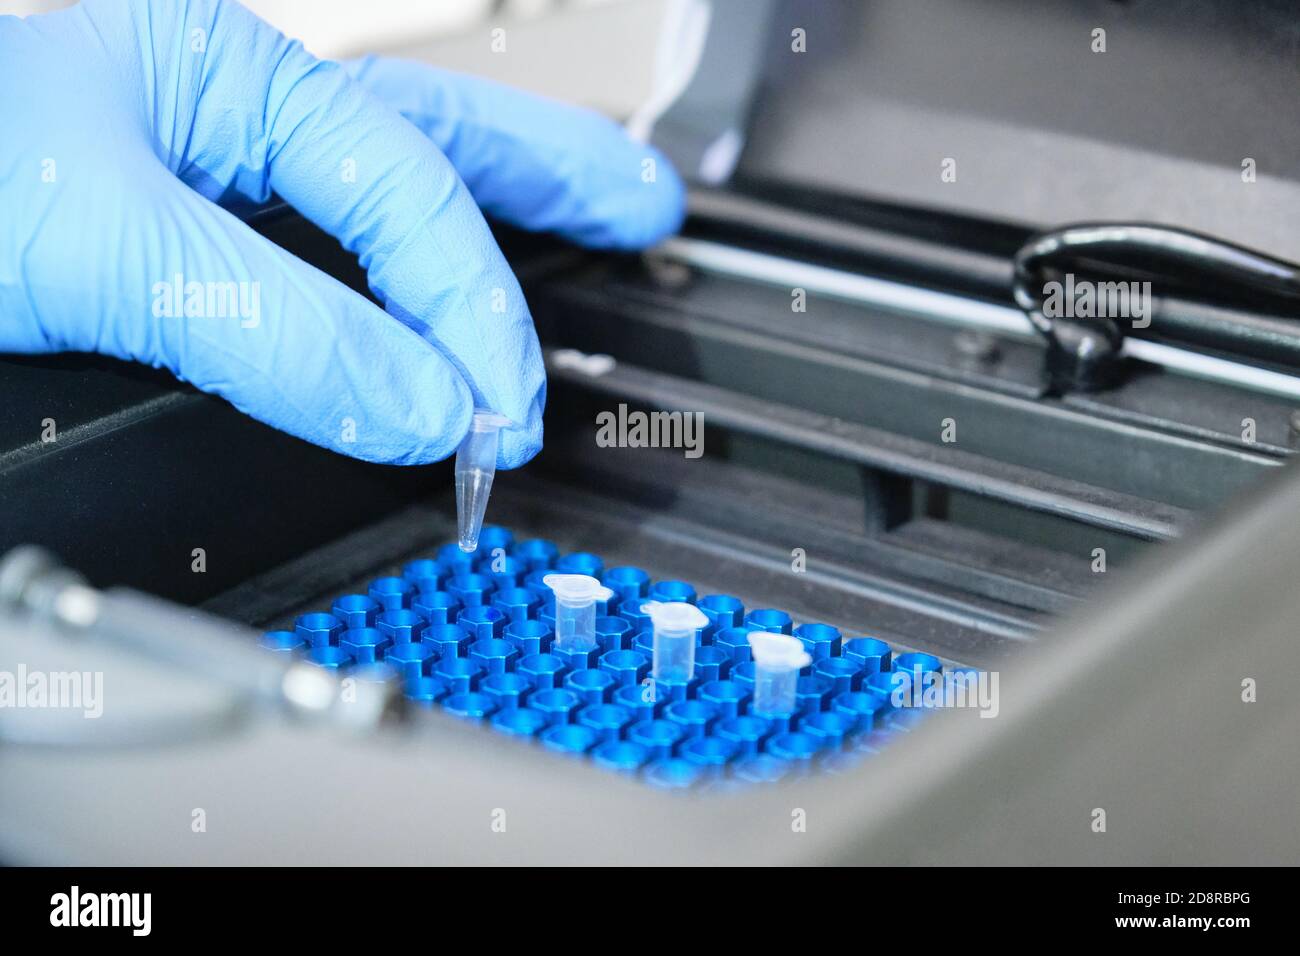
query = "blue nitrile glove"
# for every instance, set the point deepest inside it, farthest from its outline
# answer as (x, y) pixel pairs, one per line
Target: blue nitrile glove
(125, 127)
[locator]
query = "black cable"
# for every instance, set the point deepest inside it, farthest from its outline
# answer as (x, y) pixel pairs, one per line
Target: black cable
(1083, 352)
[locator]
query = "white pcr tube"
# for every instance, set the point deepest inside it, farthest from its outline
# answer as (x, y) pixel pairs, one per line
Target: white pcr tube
(476, 466)
(675, 624)
(575, 609)
(778, 659)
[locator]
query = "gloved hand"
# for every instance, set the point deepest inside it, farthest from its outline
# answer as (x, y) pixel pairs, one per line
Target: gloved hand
(127, 126)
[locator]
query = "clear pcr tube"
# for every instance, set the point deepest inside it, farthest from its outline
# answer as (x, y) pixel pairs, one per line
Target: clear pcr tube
(675, 624)
(777, 661)
(575, 609)
(476, 466)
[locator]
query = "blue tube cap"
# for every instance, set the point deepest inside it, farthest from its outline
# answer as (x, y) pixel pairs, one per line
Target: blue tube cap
(537, 554)
(828, 727)
(870, 653)
(613, 633)
(639, 699)
(769, 619)
(436, 607)
(558, 705)
(283, 642)
(673, 774)
(630, 584)
(577, 659)
(453, 561)
(516, 603)
(319, 628)
(505, 572)
(694, 716)
(581, 562)
(493, 655)
(622, 756)
(667, 592)
(510, 690)
(530, 637)
(461, 674)
(483, 622)
(883, 685)
(592, 686)
(546, 671)
(639, 620)
(519, 721)
(723, 610)
(356, 610)
(660, 737)
(608, 720)
(366, 644)
(798, 748)
(844, 674)
(391, 593)
(470, 705)
(819, 640)
(626, 667)
(714, 752)
(402, 626)
(424, 574)
(761, 768)
(727, 696)
(471, 590)
(570, 739)
(425, 691)
(813, 694)
(410, 660)
(861, 707)
(492, 537)
(747, 732)
(743, 673)
(919, 668)
(330, 657)
(447, 640)
(735, 641)
(711, 663)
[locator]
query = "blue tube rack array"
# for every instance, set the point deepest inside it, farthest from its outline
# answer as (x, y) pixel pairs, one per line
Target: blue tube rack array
(472, 634)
